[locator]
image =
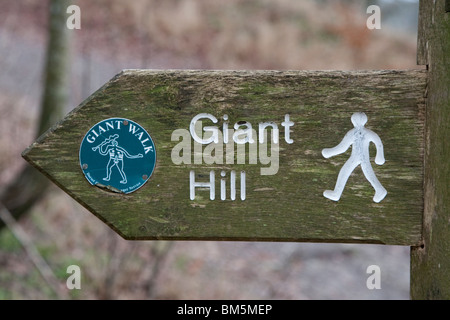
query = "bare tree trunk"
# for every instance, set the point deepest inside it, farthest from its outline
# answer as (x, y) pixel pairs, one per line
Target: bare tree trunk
(30, 185)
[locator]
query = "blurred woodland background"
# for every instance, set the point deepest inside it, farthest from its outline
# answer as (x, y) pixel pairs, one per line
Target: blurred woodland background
(183, 34)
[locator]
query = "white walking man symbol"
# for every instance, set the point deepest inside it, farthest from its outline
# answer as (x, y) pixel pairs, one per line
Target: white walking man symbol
(359, 138)
(116, 154)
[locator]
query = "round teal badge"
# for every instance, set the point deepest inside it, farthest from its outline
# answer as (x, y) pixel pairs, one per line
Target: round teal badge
(117, 154)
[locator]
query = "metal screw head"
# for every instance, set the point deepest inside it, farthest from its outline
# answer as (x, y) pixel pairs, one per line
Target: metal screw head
(85, 166)
(125, 122)
(144, 177)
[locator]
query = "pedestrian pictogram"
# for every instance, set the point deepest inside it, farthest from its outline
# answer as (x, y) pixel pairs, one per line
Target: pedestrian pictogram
(359, 138)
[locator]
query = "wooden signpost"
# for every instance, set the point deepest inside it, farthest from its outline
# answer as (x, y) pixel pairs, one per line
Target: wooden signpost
(257, 155)
(278, 185)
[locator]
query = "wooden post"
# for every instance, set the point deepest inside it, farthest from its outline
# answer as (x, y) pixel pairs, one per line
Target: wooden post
(430, 262)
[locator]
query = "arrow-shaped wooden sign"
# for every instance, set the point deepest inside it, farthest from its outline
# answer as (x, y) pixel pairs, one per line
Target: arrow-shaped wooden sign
(247, 155)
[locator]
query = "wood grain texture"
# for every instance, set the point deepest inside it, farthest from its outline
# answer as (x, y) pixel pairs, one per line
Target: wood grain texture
(288, 206)
(430, 262)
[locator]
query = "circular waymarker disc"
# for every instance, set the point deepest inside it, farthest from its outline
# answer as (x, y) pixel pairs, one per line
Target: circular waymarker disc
(117, 154)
